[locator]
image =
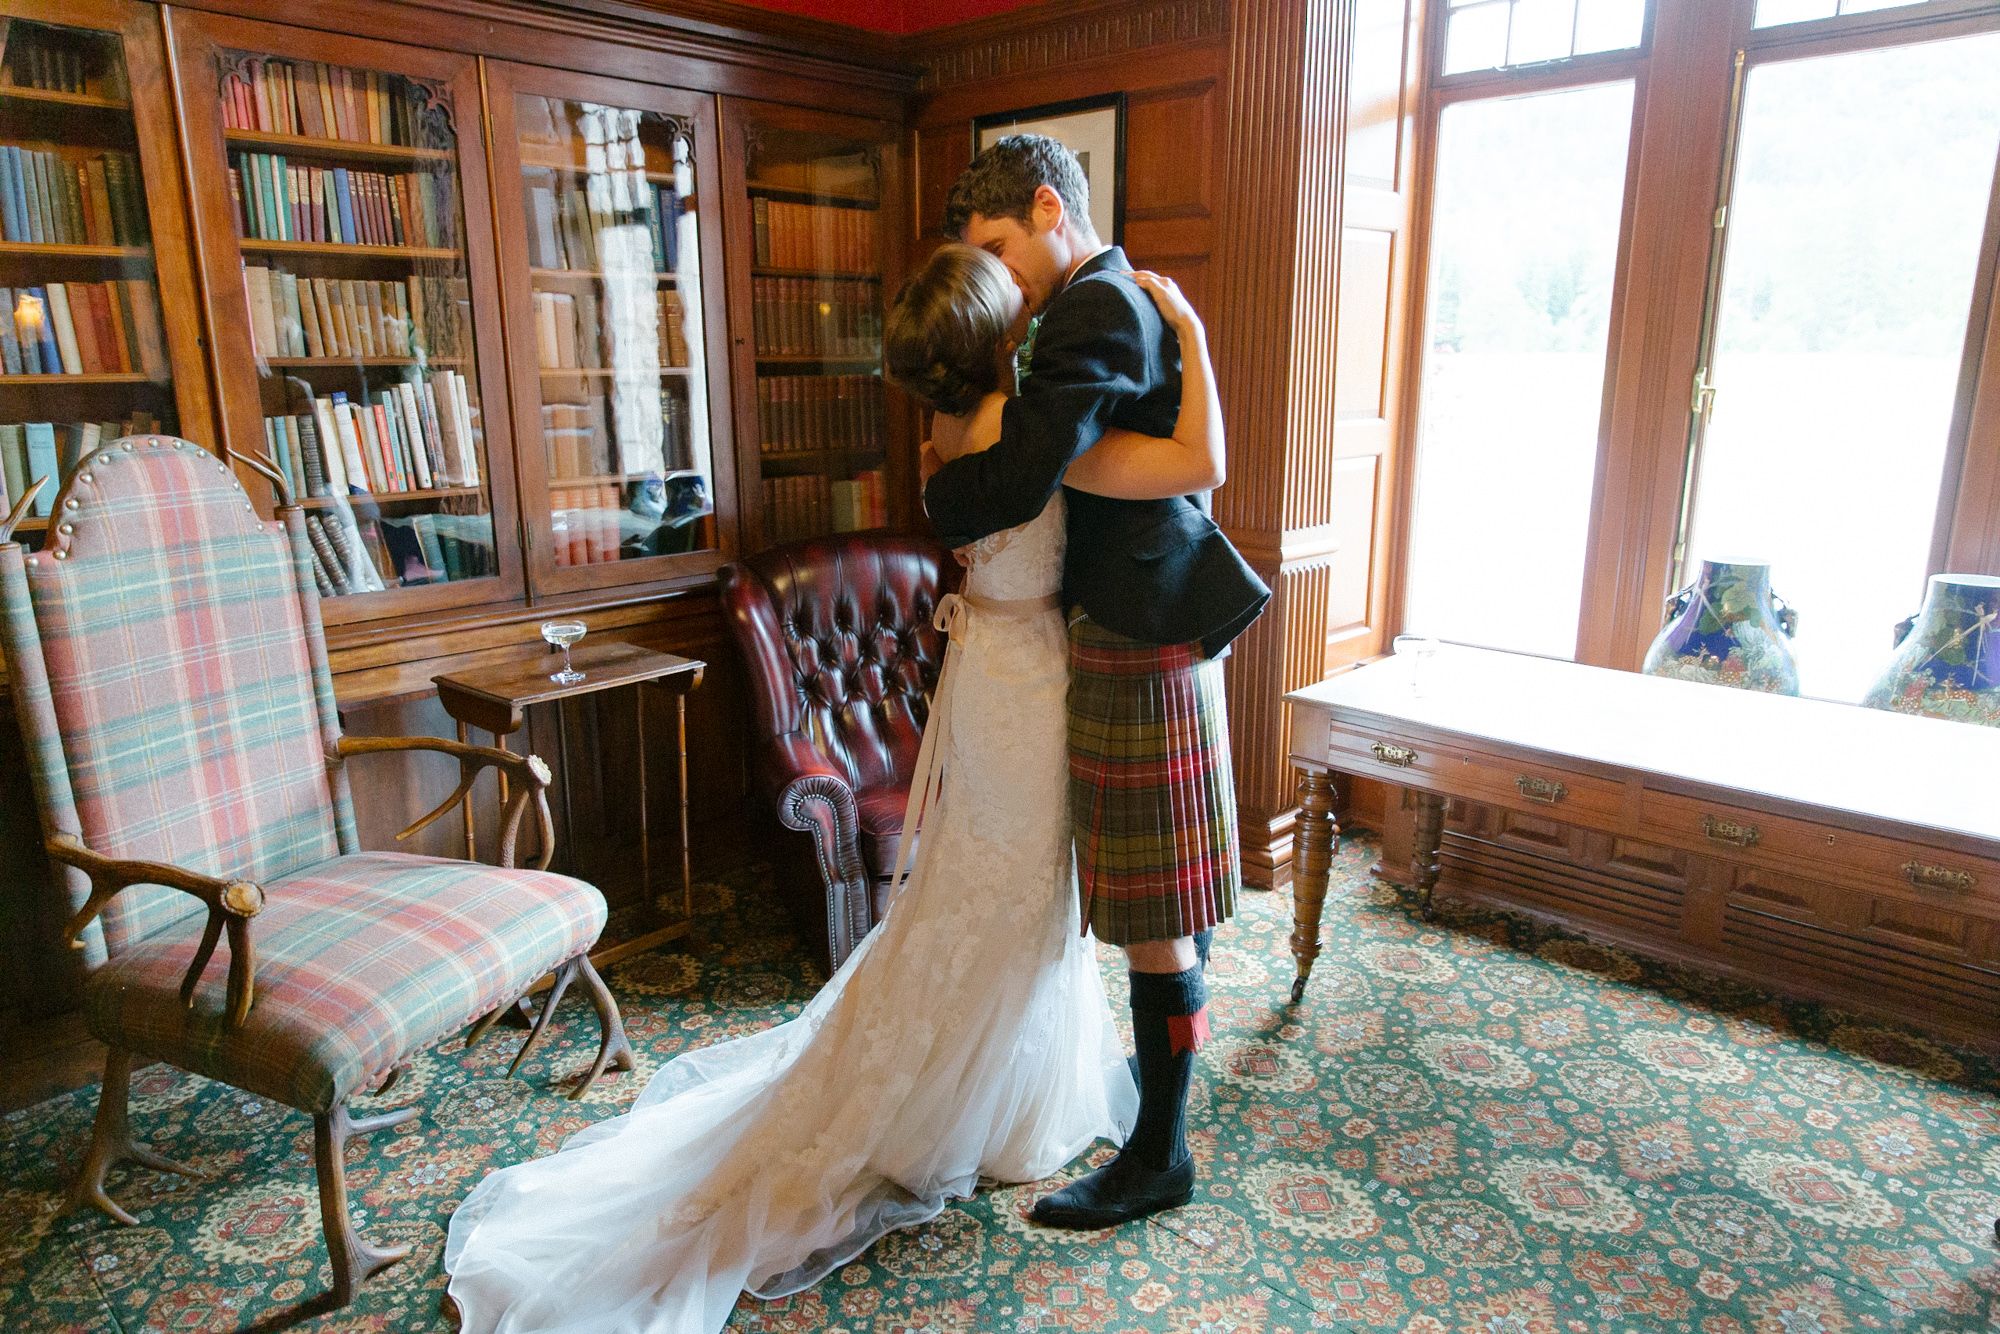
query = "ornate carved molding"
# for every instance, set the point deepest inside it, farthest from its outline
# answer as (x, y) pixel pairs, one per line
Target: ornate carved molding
(1051, 36)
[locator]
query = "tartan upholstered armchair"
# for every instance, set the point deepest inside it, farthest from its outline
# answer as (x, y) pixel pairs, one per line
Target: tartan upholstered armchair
(172, 685)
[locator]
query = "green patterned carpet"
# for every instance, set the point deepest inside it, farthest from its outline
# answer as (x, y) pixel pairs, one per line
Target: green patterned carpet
(1470, 1128)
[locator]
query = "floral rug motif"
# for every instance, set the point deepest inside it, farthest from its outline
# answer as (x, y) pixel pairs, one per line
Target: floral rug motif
(1472, 1126)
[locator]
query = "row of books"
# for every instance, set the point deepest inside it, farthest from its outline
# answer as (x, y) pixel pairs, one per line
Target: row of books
(587, 439)
(322, 102)
(587, 523)
(83, 329)
(804, 412)
(30, 451)
(815, 317)
(801, 507)
(567, 223)
(47, 199)
(571, 334)
(412, 436)
(52, 59)
(813, 236)
(365, 556)
(418, 316)
(276, 200)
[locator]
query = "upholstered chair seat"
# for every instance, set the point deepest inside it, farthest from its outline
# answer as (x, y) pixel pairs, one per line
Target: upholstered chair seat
(369, 957)
(842, 656)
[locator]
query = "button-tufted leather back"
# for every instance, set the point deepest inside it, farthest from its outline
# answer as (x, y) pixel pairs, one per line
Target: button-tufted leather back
(838, 636)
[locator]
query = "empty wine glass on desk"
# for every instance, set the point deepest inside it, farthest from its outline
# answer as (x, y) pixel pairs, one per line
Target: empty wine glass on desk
(1419, 649)
(562, 634)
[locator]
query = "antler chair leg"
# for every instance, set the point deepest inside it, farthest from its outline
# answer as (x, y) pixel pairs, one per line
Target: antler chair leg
(518, 1013)
(353, 1259)
(111, 1143)
(614, 1047)
(564, 974)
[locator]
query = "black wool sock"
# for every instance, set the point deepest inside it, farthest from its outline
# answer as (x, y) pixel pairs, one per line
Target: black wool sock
(1202, 940)
(1169, 1024)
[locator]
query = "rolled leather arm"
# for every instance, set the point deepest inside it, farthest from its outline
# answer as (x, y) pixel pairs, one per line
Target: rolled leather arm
(816, 798)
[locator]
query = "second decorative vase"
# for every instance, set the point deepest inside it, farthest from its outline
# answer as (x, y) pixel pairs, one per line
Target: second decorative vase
(1947, 664)
(1728, 629)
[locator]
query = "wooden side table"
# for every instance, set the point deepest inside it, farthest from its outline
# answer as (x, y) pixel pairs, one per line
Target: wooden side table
(496, 700)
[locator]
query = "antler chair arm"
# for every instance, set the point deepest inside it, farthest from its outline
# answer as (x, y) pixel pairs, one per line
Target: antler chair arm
(530, 775)
(231, 905)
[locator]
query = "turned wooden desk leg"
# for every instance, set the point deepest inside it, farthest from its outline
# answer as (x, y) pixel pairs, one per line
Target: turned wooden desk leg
(1424, 864)
(1313, 843)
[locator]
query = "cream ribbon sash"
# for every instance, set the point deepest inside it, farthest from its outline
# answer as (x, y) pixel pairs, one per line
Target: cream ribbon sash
(954, 613)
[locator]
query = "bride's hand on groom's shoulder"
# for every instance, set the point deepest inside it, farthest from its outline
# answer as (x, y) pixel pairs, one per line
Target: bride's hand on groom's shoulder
(1166, 294)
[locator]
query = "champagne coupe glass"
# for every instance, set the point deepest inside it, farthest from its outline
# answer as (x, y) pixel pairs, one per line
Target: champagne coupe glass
(1420, 649)
(563, 634)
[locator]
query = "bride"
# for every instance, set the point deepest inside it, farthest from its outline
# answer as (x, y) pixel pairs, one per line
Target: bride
(967, 1037)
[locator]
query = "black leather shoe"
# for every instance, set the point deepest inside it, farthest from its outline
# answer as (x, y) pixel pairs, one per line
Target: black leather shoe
(1118, 1192)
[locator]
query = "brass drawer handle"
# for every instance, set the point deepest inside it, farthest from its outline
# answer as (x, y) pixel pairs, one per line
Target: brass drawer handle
(1546, 790)
(1729, 832)
(1400, 756)
(1925, 876)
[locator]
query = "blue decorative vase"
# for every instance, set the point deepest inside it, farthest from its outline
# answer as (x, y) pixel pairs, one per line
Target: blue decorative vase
(1728, 629)
(1947, 662)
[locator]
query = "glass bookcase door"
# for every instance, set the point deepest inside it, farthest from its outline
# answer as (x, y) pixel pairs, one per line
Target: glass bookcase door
(88, 245)
(351, 287)
(618, 395)
(817, 224)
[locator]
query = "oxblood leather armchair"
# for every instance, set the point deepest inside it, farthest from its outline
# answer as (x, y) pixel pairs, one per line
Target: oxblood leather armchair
(837, 634)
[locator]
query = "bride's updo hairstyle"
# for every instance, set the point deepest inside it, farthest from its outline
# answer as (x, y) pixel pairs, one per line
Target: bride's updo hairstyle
(941, 337)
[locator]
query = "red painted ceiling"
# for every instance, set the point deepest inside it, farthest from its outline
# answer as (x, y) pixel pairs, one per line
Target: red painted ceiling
(892, 16)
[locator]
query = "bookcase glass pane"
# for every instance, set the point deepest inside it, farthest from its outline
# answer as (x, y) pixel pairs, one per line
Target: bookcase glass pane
(816, 290)
(615, 267)
(83, 355)
(344, 188)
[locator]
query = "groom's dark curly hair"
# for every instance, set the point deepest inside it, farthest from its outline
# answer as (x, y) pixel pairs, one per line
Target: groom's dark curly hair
(1001, 183)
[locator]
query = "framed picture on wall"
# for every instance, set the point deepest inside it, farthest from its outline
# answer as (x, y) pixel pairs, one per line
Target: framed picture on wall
(1093, 128)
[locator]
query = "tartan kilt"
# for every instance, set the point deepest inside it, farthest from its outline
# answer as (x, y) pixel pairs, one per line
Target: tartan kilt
(1152, 797)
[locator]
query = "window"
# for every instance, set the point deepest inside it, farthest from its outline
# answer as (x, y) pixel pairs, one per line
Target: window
(1854, 228)
(1524, 240)
(1495, 34)
(1774, 13)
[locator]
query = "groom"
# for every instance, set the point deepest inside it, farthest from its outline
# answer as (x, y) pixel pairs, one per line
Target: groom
(1155, 593)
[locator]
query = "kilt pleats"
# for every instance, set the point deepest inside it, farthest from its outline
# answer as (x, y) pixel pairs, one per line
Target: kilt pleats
(1152, 797)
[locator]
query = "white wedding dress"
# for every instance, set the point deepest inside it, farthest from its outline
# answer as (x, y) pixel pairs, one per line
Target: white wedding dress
(967, 1037)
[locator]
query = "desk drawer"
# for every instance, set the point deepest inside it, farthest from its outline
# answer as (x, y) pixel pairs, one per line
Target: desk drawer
(1559, 794)
(1821, 851)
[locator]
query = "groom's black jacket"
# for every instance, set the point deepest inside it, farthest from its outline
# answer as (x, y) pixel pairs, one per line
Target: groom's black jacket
(1154, 570)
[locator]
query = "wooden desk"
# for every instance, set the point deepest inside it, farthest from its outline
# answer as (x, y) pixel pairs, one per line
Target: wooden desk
(497, 699)
(1836, 852)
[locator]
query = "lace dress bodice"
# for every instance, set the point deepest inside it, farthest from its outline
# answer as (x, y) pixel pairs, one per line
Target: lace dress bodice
(1023, 562)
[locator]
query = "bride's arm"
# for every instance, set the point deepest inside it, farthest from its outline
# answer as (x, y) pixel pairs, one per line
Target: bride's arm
(1128, 466)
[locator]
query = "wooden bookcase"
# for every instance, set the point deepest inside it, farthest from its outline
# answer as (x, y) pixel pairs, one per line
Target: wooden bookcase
(344, 226)
(101, 333)
(815, 205)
